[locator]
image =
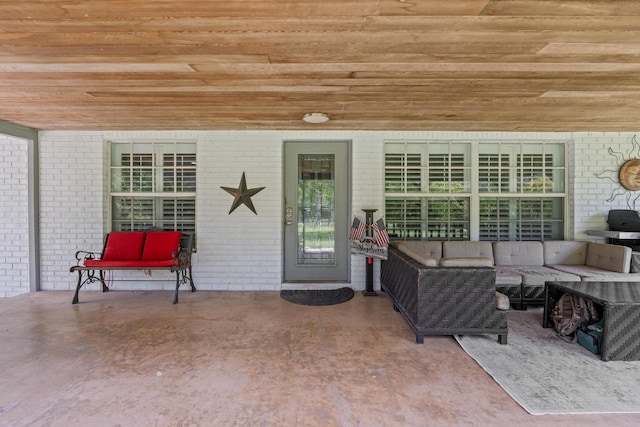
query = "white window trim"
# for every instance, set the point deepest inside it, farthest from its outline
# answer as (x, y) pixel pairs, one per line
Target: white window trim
(108, 176)
(475, 195)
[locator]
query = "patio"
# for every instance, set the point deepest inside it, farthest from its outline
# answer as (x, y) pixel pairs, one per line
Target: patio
(238, 358)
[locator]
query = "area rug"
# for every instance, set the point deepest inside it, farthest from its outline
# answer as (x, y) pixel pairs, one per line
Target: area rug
(546, 375)
(317, 296)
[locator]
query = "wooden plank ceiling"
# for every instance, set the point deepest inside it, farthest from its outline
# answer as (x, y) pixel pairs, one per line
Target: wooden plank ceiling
(486, 65)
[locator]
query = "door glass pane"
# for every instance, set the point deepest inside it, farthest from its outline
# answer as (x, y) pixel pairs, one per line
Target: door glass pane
(316, 206)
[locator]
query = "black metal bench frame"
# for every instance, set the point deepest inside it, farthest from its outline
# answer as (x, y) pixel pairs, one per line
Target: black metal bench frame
(182, 268)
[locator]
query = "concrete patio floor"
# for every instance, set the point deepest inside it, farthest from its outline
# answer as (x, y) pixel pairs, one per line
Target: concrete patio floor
(239, 359)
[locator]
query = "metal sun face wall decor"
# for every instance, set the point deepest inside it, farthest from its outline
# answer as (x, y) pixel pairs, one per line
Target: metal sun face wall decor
(627, 175)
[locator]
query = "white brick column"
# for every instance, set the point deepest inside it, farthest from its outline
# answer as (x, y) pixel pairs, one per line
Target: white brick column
(14, 211)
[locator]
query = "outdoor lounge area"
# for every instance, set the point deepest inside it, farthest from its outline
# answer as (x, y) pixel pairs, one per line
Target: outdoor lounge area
(170, 171)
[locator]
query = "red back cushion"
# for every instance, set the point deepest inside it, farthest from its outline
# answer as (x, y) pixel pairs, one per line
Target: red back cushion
(124, 245)
(160, 245)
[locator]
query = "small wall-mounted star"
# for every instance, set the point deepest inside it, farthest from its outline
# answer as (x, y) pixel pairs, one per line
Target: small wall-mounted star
(242, 195)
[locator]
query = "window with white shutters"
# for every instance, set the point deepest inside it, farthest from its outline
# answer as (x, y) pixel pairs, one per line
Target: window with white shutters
(475, 191)
(427, 190)
(153, 185)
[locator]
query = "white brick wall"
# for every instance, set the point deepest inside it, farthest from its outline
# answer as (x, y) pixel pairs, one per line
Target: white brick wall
(242, 251)
(596, 189)
(71, 202)
(14, 214)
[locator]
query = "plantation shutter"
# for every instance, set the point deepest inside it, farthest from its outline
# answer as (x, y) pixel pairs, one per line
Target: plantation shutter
(153, 185)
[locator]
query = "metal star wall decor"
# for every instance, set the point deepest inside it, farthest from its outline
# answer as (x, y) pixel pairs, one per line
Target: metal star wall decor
(242, 195)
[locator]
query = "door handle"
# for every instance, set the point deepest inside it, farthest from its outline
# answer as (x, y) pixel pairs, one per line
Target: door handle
(288, 213)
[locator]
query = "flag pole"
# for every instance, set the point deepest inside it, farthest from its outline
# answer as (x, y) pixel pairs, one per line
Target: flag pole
(369, 292)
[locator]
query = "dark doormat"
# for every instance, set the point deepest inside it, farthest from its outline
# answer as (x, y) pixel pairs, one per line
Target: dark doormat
(317, 296)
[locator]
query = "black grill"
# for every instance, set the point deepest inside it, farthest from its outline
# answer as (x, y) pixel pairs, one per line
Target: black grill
(625, 221)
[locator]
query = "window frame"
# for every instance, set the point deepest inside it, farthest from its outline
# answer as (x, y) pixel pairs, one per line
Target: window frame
(516, 191)
(159, 173)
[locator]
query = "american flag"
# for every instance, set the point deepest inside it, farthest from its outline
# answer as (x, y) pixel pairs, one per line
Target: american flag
(382, 236)
(357, 229)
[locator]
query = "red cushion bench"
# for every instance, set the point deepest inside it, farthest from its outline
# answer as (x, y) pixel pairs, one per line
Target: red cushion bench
(137, 250)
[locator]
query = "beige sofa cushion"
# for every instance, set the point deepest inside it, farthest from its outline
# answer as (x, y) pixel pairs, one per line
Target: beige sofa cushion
(506, 277)
(609, 257)
(518, 253)
(466, 254)
(612, 277)
(537, 275)
(466, 262)
(425, 252)
(565, 252)
(467, 249)
(502, 301)
(591, 261)
(594, 274)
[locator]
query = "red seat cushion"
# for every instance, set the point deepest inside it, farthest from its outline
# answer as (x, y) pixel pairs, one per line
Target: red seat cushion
(98, 264)
(160, 245)
(124, 245)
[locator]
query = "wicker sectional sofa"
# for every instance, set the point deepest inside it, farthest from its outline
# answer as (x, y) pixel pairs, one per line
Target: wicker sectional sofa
(522, 268)
(452, 287)
(443, 301)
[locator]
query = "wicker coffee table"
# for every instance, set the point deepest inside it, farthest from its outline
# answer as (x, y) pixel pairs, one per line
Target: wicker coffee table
(621, 312)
